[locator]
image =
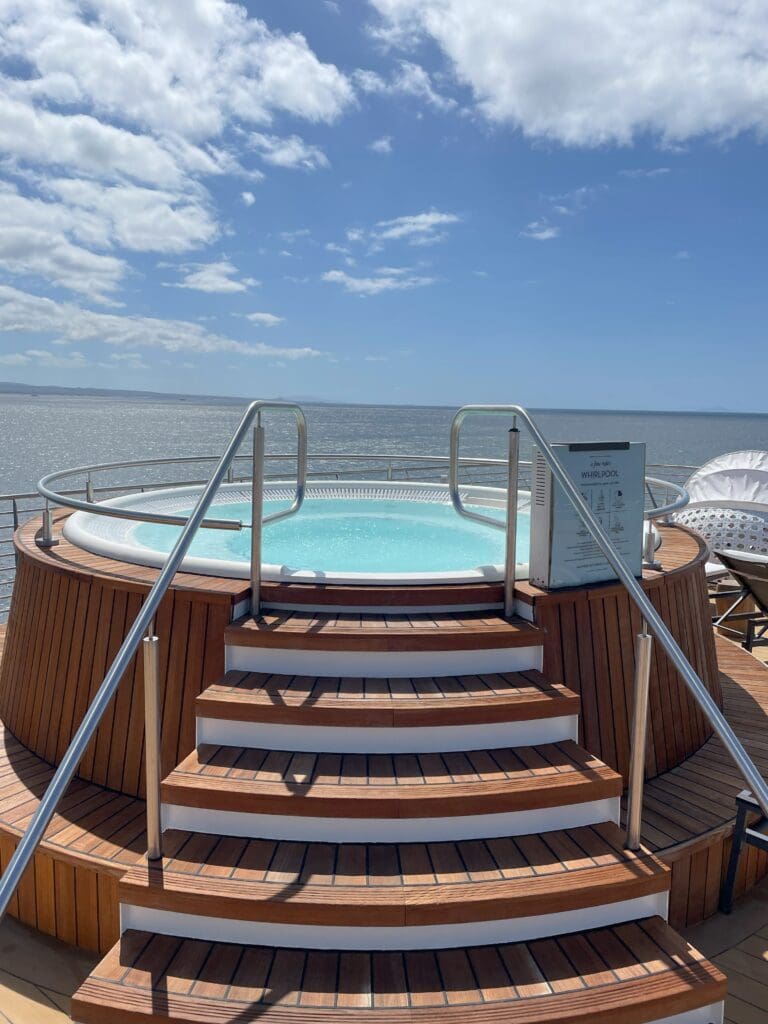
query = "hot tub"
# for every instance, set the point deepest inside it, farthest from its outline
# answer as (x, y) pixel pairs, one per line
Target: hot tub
(352, 531)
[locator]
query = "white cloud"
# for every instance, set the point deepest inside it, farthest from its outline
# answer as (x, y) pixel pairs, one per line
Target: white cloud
(419, 229)
(386, 279)
(332, 6)
(120, 110)
(408, 79)
(44, 240)
(265, 319)
(290, 151)
(22, 312)
(248, 198)
(540, 230)
(642, 172)
(293, 236)
(216, 277)
(45, 359)
(416, 229)
(382, 145)
(128, 361)
(682, 254)
(84, 144)
(575, 200)
(141, 219)
(601, 71)
(186, 76)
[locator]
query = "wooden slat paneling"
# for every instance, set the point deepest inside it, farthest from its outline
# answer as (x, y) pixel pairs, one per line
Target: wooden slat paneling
(65, 629)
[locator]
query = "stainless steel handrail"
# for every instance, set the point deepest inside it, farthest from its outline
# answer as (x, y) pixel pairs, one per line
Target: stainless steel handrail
(68, 499)
(141, 625)
(651, 617)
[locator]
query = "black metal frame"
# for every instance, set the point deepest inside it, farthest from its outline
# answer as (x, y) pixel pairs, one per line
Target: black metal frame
(754, 620)
(755, 835)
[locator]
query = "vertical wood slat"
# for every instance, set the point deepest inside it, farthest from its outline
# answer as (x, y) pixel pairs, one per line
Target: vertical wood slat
(63, 632)
(589, 646)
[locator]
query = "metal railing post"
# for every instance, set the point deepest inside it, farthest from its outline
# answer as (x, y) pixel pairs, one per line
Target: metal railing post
(47, 540)
(89, 494)
(152, 733)
(643, 650)
(257, 514)
(649, 546)
(510, 557)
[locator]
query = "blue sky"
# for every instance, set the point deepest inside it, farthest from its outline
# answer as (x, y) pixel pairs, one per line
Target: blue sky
(411, 201)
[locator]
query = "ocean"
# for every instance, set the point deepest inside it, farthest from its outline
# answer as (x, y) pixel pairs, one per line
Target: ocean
(46, 433)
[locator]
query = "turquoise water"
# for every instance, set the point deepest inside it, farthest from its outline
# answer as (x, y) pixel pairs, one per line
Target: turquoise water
(355, 535)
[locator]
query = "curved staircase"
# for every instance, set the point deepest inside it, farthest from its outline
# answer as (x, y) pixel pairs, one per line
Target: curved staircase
(389, 814)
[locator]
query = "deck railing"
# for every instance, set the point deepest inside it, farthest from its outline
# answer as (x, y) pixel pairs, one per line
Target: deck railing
(86, 487)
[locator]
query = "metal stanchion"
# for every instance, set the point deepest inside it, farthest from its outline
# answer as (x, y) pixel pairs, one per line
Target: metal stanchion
(643, 649)
(151, 648)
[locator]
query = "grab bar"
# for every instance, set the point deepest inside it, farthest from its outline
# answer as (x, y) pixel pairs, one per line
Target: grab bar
(64, 773)
(651, 618)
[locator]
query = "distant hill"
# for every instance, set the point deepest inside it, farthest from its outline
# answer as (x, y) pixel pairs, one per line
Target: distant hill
(12, 388)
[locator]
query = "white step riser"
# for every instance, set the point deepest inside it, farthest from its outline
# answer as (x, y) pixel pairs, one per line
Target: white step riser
(450, 936)
(712, 1014)
(388, 830)
(381, 664)
(222, 732)
(521, 609)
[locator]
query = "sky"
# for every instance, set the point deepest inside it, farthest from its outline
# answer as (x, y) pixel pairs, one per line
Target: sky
(559, 203)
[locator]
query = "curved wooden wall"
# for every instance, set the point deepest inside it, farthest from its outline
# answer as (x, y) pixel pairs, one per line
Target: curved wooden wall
(70, 612)
(590, 648)
(66, 624)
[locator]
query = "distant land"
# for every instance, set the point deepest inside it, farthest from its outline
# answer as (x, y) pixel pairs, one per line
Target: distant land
(8, 387)
(12, 388)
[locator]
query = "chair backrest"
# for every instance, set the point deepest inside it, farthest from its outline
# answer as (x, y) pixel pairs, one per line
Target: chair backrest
(736, 480)
(751, 571)
(729, 502)
(727, 529)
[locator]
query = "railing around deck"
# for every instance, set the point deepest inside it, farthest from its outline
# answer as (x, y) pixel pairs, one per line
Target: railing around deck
(87, 486)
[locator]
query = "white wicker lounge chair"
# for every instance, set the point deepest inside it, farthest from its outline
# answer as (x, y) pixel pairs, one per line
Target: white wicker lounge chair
(729, 505)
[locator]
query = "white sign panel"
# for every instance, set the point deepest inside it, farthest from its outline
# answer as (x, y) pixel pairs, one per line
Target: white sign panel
(611, 479)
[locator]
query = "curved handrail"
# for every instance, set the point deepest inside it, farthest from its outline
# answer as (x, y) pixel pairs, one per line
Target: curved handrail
(654, 621)
(68, 498)
(129, 647)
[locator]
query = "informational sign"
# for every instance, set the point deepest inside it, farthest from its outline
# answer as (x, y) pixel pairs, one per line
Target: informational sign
(611, 479)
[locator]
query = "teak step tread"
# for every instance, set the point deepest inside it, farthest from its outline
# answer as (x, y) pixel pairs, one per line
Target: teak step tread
(433, 700)
(93, 827)
(389, 785)
(628, 974)
(392, 884)
(331, 631)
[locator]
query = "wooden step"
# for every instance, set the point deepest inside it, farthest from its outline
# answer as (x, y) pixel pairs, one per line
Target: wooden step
(304, 794)
(414, 596)
(388, 715)
(331, 631)
(407, 895)
(629, 974)
(371, 702)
